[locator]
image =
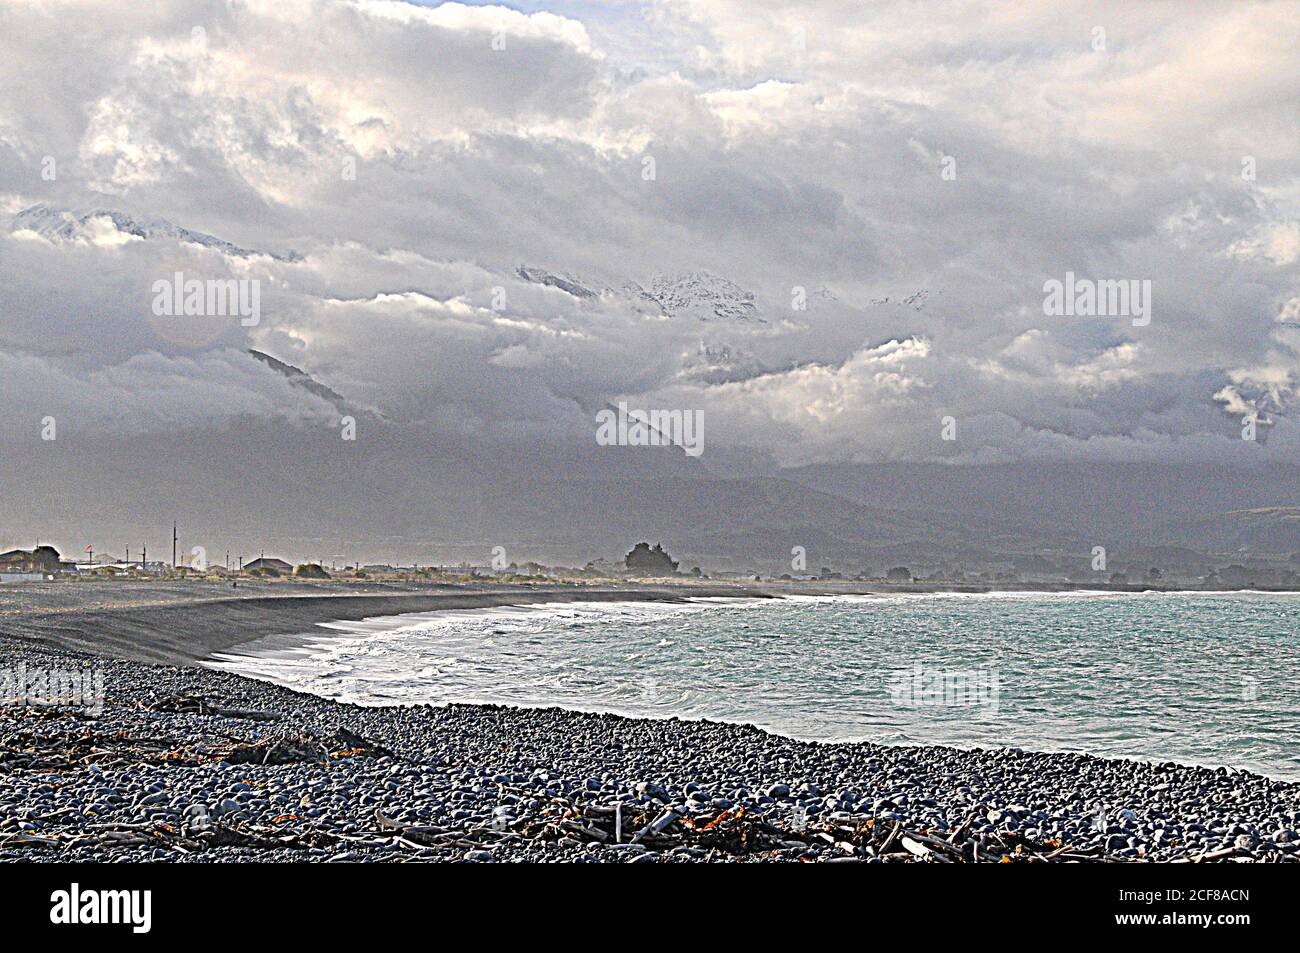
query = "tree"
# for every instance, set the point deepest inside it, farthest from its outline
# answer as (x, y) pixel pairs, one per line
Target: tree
(45, 558)
(899, 574)
(644, 559)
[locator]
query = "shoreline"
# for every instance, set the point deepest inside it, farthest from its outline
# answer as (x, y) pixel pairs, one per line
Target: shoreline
(278, 646)
(195, 764)
(186, 622)
(199, 765)
(185, 631)
(244, 659)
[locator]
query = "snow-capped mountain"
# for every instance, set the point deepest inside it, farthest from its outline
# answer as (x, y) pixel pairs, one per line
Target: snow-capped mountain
(704, 296)
(566, 283)
(698, 295)
(915, 300)
(55, 224)
(714, 364)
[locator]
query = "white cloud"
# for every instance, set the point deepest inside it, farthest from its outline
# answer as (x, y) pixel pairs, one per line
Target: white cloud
(794, 145)
(1278, 244)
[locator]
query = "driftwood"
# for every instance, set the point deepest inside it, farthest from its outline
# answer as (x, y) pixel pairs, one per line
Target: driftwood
(26, 744)
(288, 750)
(201, 705)
(734, 832)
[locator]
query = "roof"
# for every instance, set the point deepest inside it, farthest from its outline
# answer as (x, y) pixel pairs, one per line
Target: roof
(267, 562)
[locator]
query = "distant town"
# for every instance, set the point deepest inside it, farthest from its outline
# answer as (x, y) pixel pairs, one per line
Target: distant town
(45, 563)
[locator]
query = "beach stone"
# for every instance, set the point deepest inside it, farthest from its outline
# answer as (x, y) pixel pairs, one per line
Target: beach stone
(449, 761)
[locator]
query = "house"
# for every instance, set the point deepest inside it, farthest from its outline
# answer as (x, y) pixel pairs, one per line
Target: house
(268, 562)
(42, 559)
(16, 560)
(110, 569)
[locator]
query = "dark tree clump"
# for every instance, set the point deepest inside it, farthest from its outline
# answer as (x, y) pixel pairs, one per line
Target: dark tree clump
(644, 559)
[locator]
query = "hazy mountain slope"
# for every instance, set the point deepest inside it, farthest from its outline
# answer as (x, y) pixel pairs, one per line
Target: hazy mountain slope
(1267, 529)
(1138, 502)
(300, 378)
(400, 494)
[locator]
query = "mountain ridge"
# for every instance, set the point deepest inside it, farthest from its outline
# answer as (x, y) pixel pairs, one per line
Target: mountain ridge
(64, 225)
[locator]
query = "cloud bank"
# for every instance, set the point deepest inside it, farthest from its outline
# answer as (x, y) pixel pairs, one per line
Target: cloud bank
(825, 227)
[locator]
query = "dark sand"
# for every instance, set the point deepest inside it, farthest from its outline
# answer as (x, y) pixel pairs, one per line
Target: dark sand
(180, 623)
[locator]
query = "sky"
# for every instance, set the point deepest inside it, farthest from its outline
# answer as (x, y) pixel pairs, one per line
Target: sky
(895, 185)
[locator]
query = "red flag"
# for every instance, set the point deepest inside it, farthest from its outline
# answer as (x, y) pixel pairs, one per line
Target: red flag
(89, 548)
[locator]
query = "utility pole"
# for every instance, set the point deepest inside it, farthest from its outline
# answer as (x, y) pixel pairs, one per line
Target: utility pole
(174, 538)
(144, 557)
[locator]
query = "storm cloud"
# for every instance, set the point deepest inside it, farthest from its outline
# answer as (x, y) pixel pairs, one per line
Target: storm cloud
(851, 213)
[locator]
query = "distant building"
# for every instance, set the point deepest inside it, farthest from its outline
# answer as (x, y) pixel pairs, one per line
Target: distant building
(268, 562)
(110, 569)
(42, 559)
(16, 560)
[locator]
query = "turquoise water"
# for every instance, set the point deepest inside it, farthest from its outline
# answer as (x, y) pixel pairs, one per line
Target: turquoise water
(1205, 679)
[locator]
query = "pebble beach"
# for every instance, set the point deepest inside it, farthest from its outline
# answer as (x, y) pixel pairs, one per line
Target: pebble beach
(185, 764)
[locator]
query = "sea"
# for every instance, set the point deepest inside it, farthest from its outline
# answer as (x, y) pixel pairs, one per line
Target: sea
(1198, 678)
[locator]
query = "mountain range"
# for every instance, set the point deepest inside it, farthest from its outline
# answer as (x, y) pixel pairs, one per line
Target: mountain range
(406, 493)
